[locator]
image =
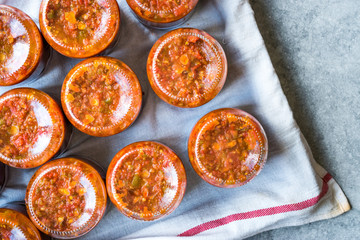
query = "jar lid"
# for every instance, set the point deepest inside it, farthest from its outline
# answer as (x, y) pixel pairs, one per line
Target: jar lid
(14, 225)
(32, 128)
(101, 96)
(146, 181)
(21, 46)
(227, 147)
(162, 11)
(66, 198)
(187, 67)
(79, 29)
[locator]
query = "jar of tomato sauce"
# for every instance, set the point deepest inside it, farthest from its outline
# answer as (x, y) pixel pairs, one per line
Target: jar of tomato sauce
(146, 181)
(32, 128)
(101, 96)
(14, 225)
(80, 28)
(66, 198)
(187, 67)
(162, 13)
(227, 147)
(22, 53)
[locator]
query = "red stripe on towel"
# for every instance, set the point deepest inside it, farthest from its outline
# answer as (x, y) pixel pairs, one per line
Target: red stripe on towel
(260, 213)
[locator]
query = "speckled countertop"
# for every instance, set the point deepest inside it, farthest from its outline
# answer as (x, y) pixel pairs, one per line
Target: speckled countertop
(315, 49)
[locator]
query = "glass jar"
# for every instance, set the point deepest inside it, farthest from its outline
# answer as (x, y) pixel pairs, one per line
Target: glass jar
(22, 53)
(66, 198)
(228, 147)
(14, 225)
(146, 181)
(32, 128)
(80, 28)
(162, 14)
(187, 67)
(101, 96)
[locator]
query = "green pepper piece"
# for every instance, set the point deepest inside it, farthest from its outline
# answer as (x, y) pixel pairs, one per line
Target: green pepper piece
(82, 35)
(108, 100)
(136, 181)
(51, 14)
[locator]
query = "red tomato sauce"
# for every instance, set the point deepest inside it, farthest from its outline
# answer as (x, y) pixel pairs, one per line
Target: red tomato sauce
(77, 21)
(101, 96)
(143, 189)
(32, 128)
(66, 198)
(227, 147)
(19, 128)
(187, 67)
(59, 199)
(146, 181)
(79, 28)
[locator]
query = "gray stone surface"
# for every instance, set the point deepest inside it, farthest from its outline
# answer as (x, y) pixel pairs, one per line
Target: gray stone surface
(315, 49)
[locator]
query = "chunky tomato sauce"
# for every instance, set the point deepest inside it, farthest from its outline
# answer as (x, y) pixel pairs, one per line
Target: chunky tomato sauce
(162, 11)
(147, 181)
(66, 198)
(187, 67)
(32, 128)
(15, 226)
(76, 21)
(140, 183)
(79, 28)
(19, 129)
(21, 46)
(94, 104)
(227, 147)
(183, 64)
(223, 150)
(101, 96)
(59, 199)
